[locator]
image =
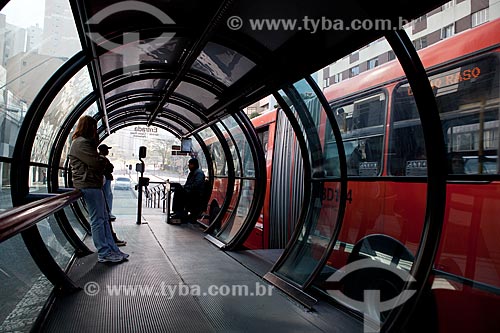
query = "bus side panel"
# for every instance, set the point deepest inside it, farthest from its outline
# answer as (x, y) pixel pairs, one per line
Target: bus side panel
(470, 243)
(363, 216)
(364, 209)
(462, 308)
(404, 213)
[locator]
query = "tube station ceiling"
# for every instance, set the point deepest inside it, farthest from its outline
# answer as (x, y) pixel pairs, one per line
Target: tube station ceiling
(188, 63)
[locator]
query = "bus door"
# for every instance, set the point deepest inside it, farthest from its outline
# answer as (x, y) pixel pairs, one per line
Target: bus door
(324, 193)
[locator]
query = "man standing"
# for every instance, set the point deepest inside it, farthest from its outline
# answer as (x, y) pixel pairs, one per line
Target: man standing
(108, 174)
(108, 194)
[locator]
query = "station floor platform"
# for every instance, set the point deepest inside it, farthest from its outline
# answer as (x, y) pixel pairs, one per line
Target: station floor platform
(176, 281)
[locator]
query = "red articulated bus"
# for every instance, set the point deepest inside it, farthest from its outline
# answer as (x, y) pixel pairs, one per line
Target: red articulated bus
(386, 166)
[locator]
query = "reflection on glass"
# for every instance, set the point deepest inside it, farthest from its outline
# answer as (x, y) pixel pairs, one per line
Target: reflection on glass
(5, 197)
(196, 93)
(208, 136)
(35, 44)
(246, 157)
(361, 123)
(469, 116)
(222, 63)
(383, 219)
(218, 159)
(233, 151)
(314, 236)
(160, 50)
(77, 87)
(75, 222)
(38, 179)
(141, 84)
(177, 110)
(57, 244)
(197, 153)
(24, 289)
(81, 205)
(321, 219)
(237, 219)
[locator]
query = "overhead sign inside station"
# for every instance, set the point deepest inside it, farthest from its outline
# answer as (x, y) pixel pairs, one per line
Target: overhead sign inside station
(144, 132)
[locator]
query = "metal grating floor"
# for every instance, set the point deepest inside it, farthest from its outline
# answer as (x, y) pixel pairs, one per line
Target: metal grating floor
(164, 261)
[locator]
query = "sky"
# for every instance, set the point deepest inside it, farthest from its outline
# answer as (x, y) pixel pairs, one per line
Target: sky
(24, 13)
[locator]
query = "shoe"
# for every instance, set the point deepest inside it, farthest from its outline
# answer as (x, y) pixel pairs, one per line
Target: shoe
(112, 217)
(120, 242)
(114, 257)
(124, 255)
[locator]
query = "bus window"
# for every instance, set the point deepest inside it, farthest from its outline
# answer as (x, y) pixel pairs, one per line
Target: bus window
(361, 125)
(218, 159)
(263, 135)
(468, 101)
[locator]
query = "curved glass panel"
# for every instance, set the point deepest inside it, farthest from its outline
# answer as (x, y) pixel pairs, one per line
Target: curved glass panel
(246, 157)
(222, 63)
(128, 102)
(361, 121)
(222, 183)
(38, 179)
(197, 153)
(284, 210)
(232, 149)
(467, 96)
(230, 214)
(141, 84)
(24, 289)
(75, 223)
(239, 217)
(5, 196)
(57, 244)
(163, 50)
(243, 195)
(219, 165)
(179, 110)
(32, 48)
(73, 92)
(321, 221)
(196, 93)
(384, 217)
(219, 160)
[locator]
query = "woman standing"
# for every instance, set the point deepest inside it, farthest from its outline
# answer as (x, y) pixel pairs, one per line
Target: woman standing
(87, 169)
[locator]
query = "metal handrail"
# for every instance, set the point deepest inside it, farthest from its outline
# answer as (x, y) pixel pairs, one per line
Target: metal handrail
(15, 220)
(156, 195)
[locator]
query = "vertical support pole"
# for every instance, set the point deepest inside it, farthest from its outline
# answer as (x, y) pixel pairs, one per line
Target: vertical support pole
(139, 197)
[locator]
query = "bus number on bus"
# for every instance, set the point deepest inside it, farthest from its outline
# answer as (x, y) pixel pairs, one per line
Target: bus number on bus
(330, 194)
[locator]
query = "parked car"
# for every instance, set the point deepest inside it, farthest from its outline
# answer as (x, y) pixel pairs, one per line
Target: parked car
(122, 183)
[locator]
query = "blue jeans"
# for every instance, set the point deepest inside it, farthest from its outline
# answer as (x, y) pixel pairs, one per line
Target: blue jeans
(99, 222)
(108, 194)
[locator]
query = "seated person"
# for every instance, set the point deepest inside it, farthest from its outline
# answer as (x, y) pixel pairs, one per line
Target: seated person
(187, 198)
(456, 164)
(353, 161)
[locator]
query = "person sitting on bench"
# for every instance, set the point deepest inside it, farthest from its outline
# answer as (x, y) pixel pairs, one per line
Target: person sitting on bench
(187, 198)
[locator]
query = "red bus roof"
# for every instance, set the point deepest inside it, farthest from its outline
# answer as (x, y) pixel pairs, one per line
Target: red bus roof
(459, 45)
(264, 119)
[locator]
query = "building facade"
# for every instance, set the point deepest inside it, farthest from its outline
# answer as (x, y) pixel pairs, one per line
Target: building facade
(443, 22)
